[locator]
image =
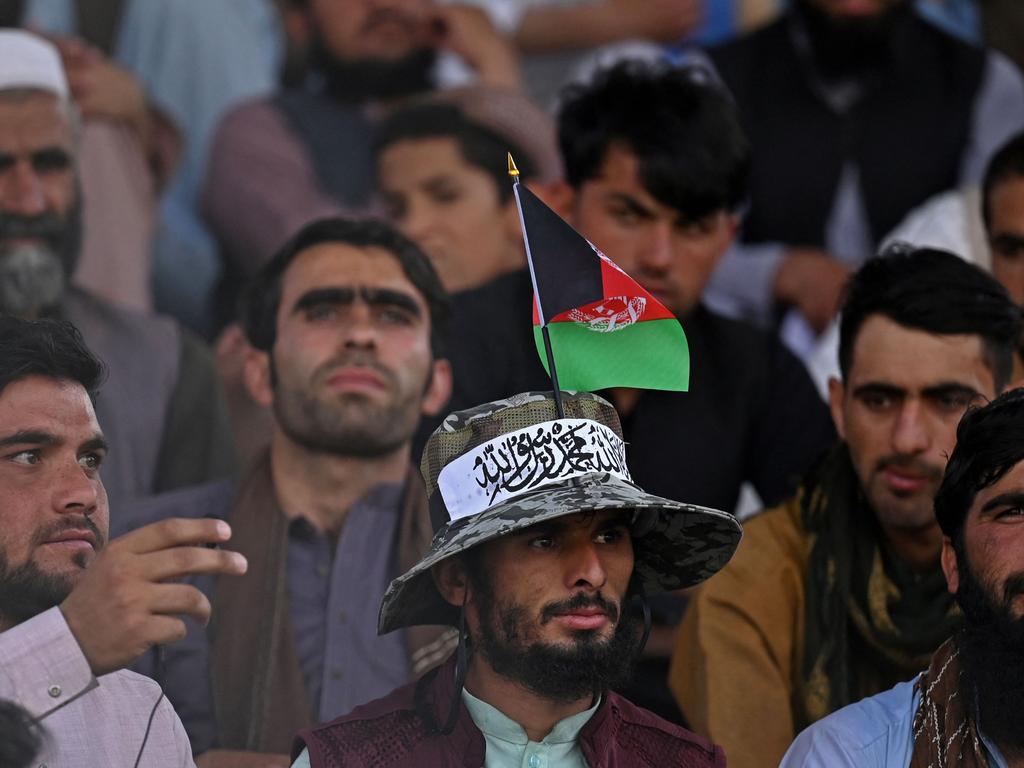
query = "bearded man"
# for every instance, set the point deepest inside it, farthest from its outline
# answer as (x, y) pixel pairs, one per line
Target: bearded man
(344, 323)
(838, 594)
(858, 111)
(540, 561)
(306, 151)
(161, 407)
(966, 708)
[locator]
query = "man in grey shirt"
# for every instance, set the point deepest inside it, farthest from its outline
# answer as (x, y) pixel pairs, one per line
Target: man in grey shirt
(344, 322)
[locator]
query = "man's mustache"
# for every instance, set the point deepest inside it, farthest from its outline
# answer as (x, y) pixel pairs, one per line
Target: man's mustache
(382, 16)
(910, 464)
(358, 359)
(578, 601)
(47, 226)
(69, 523)
(1013, 587)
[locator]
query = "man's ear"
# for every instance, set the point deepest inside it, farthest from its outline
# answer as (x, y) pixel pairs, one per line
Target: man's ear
(950, 567)
(558, 196)
(256, 373)
(727, 233)
(450, 579)
(439, 390)
(836, 396)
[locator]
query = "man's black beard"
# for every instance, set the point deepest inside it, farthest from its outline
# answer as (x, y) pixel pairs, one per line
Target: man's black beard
(850, 47)
(992, 650)
(558, 673)
(26, 591)
(348, 428)
(356, 82)
(34, 276)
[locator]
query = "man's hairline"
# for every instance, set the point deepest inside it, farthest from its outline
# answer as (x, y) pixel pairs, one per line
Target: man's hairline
(66, 106)
(425, 304)
(845, 380)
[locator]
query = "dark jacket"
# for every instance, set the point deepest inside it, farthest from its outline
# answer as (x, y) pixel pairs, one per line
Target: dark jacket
(401, 729)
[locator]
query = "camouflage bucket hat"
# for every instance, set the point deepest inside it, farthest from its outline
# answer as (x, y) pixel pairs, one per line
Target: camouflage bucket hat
(501, 467)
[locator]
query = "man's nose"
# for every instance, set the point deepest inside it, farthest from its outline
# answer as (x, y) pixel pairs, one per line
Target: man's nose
(584, 567)
(910, 432)
(23, 191)
(359, 329)
(656, 254)
(416, 221)
(76, 491)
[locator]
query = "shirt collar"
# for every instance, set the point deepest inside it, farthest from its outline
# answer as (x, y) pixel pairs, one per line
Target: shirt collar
(495, 724)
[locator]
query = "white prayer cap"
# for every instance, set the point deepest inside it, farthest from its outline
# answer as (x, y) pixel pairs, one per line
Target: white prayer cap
(29, 61)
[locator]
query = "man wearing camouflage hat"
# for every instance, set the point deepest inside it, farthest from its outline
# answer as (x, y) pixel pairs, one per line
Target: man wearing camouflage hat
(542, 544)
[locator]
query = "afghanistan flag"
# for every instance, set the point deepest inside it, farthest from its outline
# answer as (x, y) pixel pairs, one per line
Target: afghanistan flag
(605, 330)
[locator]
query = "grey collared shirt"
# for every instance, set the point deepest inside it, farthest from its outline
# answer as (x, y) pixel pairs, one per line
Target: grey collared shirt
(335, 590)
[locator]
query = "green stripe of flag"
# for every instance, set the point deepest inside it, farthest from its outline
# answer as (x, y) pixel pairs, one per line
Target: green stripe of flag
(650, 355)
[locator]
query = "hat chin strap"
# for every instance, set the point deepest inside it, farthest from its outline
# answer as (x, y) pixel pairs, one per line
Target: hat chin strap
(641, 597)
(461, 668)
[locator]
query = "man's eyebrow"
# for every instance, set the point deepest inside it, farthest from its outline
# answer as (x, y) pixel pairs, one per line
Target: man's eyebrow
(97, 443)
(1006, 240)
(440, 180)
(878, 388)
(29, 437)
(388, 297)
(634, 205)
(950, 388)
(1010, 499)
(319, 296)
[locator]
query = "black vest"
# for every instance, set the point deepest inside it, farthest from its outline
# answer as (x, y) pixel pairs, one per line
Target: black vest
(906, 134)
(339, 140)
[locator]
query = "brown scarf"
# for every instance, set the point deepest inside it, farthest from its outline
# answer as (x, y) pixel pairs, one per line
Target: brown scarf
(870, 620)
(260, 696)
(945, 734)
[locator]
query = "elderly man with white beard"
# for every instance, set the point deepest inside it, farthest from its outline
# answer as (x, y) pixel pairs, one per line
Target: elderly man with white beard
(161, 405)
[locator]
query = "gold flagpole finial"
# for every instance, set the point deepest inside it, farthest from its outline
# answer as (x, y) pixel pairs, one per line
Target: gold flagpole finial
(512, 170)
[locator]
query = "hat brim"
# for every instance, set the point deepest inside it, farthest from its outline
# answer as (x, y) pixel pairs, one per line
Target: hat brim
(676, 546)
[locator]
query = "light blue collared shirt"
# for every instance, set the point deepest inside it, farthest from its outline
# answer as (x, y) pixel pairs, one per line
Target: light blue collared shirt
(508, 745)
(874, 733)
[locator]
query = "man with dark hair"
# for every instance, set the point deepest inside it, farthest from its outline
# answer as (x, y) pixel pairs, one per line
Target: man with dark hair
(656, 164)
(75, 610)
(837, 594)
(540, 578)
(306, 152)
(966, 708)
(162, 408)
(1003, 212)
(344, 322)
(858, 112)
(443, 172)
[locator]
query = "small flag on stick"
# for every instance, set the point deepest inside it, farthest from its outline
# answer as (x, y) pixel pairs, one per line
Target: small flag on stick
(590, 318)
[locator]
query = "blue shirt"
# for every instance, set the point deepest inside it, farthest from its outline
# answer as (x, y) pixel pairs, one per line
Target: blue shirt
(335, 589)
(876, 732)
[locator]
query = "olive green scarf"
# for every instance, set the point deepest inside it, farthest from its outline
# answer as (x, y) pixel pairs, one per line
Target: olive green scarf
(871, 620)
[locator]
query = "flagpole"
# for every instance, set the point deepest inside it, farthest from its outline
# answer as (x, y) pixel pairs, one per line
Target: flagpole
(514, 173)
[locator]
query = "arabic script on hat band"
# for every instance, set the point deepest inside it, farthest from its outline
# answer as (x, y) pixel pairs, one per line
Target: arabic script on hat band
(527, 459)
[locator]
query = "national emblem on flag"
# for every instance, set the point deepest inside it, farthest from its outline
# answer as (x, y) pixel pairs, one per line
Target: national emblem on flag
(605, 330)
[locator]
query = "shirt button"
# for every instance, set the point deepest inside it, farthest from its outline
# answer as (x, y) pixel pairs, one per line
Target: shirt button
(536, 761)
(342, 617)
(336, 673)
(54, 691)
(321, 571)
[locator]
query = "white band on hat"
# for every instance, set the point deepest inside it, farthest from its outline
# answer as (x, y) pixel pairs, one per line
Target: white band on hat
(29, 61)
(527, 459)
